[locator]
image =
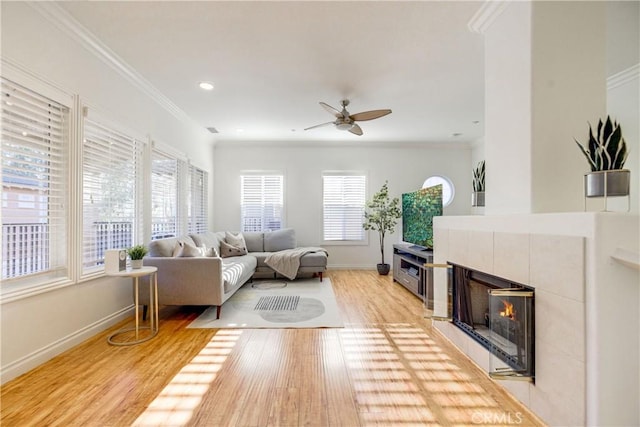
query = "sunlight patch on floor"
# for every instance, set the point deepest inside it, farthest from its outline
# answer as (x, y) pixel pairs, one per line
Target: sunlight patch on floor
(178, 401)
(393, 367)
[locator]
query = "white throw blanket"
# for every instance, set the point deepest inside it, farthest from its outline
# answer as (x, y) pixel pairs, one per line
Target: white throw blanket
(287, 262)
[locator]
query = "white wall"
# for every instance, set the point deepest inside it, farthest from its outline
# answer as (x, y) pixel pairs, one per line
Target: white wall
(623, 71)
(405, 167)
(38, 327)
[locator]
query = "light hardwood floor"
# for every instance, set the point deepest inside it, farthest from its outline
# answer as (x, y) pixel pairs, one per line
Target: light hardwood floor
(386, 367)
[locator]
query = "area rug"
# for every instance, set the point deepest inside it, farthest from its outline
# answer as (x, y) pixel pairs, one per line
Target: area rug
(302, 303)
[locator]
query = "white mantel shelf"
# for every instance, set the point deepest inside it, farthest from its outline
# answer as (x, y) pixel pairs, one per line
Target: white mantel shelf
(628, 258)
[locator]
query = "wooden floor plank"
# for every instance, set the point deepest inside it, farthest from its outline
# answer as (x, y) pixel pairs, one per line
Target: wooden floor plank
(385, 367)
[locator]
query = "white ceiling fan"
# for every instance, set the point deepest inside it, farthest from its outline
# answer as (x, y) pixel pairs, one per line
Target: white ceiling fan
(346, 121)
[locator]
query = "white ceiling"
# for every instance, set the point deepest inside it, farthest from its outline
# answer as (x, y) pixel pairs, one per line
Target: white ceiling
(272, 62)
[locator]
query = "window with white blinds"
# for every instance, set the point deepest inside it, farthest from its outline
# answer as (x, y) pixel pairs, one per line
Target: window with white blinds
(343, 202)
(112, 168)
(198, 200)
(261, 202)
(167, 174)
(35, 189)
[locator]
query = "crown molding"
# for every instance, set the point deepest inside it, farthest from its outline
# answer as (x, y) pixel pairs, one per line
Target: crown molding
(70, 26)
(623, 77)
(484, 17)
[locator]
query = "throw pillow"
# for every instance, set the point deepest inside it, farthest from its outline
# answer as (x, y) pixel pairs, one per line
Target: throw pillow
(185, 250)
(236, 240)
(280, 240)
(227, 250)
(209, 251)
(209, 239)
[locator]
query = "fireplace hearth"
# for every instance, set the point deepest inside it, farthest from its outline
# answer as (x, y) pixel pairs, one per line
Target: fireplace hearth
(498, 314)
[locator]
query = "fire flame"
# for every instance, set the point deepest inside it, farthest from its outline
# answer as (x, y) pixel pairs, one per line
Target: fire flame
(508, 310)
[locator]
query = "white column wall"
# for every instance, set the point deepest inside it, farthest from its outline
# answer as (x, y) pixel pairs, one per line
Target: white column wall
(545, 78)
(568, 89)
(623, 104)
(508, 111)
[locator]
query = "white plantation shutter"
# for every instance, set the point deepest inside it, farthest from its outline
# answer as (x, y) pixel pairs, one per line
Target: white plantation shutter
(167, 174)
(261, 202)
(112, 167)
(343, 202)
(198, 200)
(34, 185)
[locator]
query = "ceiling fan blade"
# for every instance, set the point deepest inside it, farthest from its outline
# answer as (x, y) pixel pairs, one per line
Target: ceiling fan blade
(355, 129)
(320, 125)
(331, 110)
(369, 115)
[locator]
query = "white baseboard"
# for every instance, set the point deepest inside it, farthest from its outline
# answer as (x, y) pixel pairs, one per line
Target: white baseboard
(38, 357)
(350, 267)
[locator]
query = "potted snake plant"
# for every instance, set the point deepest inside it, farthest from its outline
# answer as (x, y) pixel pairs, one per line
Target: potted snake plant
(606, 153)
(477, 197)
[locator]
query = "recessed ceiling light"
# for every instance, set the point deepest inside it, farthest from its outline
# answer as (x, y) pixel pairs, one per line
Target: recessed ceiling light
(206, 85)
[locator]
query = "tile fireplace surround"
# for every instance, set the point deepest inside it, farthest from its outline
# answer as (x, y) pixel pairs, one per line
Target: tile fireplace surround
(584, 268)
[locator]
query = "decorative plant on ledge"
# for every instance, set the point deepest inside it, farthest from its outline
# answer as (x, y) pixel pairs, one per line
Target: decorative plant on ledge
(478, 177)
(382, 215)
(477, 198)
(606, 152)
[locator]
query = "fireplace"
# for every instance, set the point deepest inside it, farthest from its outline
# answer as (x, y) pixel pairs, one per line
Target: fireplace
(498, 314)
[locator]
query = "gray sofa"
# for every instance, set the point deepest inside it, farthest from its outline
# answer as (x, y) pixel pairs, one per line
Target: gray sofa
(207, 278)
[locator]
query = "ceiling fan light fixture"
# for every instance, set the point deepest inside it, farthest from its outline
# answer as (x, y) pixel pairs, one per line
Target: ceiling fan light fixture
(347, 122)
(344, 126)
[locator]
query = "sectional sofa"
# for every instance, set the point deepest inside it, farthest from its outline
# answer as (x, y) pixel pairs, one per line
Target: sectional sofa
(205, 269)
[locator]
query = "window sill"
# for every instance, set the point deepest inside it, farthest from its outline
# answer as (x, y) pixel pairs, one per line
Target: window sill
(17, 291)
(345, 243)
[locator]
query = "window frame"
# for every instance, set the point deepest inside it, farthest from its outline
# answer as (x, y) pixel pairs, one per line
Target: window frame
(365, 234)
(262, 174)
(445, 180)
(194, 172)
(179, 187)
(62, 274)
(122, 136)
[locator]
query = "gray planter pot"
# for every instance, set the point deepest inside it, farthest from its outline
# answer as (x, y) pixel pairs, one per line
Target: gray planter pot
(477, 198)
(383, 269)
(136, 263)
(610, 183)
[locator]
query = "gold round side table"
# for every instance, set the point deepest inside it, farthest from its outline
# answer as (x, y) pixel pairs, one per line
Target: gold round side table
(135, 274)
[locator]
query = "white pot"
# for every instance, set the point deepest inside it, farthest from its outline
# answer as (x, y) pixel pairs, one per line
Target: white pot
(136, 263)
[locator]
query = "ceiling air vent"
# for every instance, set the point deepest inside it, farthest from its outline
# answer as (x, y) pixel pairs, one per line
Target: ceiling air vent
(213, 130)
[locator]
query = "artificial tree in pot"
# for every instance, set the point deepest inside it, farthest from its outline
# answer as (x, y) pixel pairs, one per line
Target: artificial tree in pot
(606, 153)
(382, 215)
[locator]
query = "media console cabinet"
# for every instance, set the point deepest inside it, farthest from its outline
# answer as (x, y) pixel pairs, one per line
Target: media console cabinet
(409, 269)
